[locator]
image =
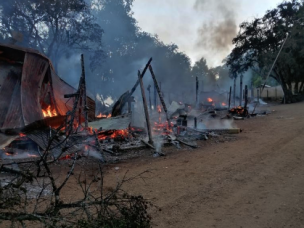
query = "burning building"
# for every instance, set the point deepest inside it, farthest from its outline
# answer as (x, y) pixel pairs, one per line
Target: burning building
(30, 90)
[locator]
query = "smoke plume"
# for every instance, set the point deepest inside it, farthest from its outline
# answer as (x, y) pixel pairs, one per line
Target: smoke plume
(217, 33)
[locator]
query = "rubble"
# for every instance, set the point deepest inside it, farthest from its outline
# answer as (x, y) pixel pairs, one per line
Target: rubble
(68, 129)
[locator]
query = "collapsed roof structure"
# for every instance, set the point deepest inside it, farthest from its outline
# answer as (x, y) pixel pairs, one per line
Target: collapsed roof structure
(30, 90)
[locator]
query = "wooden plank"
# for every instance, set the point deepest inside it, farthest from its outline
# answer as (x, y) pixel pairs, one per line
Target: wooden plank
(145, 107)
(33, 73)
(160, 95)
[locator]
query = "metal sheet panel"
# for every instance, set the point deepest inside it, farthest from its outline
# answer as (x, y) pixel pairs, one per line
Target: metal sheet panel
(8, 92)
(58, 145)
(60, 88)
(91, 106)
(33, 73)
(5, 140)
(114, 123)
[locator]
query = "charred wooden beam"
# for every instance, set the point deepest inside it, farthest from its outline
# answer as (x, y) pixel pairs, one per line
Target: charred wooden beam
(71, 95)
(116, 111)
(77, 103)
(155, 97)
(196, 92)
(123, 99)
(84, 87)
(148, 144)
(145, 107)
(141, 76)
(160, 95)
(150, 104)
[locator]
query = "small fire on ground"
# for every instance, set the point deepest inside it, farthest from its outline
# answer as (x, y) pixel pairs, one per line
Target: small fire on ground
(49, 112)
(104, 116)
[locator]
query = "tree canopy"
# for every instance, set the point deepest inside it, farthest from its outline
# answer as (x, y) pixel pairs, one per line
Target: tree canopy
(258, 42)
(53, 27)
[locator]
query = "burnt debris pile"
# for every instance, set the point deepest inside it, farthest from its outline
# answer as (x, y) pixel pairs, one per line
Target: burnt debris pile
(43, 114)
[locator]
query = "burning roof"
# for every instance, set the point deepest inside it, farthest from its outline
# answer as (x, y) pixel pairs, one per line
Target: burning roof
(30, 90)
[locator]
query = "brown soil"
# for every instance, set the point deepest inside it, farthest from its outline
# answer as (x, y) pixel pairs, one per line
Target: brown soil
(254, 181)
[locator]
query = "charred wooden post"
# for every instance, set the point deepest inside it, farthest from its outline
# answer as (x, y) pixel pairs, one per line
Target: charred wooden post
(258, 95)
(229, 100)
(196, 92)
(150, 104)
(141, 76)
(160, 95)
(80, 110)
(145, 107)
(195, 122)
(117, 108)
(81, 93)
(241, 89)
(84, 94)
(71, 95)
(246, 100)
(155, 97)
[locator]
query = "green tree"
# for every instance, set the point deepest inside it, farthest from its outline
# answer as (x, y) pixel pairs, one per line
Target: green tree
(258, 42)
(127, 49)
(206, 75)
(54, 27)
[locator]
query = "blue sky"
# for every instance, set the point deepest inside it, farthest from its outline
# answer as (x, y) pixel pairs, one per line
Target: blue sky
(192, 28)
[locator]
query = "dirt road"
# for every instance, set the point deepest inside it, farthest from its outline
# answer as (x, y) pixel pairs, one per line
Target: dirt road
(255, 181)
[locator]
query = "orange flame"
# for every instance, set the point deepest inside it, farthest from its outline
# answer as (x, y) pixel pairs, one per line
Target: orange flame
(49, 112)
(104, 116)
(114, 134)
(163, 128)
(32, 155)
(209, 99)
(158, 108)
(224, 104)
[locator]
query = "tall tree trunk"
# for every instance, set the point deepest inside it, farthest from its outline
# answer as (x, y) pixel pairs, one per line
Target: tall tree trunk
(301, 90)
(296, 88)
(289, 86)
(286, 91)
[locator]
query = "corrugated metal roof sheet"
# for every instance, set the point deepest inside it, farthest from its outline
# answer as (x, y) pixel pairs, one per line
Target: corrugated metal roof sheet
(58, 146)
(5, 140)
(20, 104)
